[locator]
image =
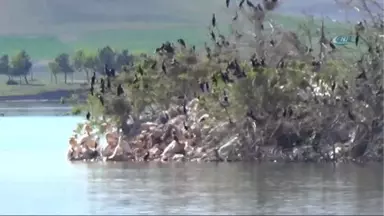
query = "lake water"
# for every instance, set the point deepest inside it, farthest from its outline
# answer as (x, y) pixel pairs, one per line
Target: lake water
(35, 178)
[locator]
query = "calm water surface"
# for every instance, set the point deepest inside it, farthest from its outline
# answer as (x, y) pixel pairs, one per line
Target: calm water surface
(35, 178)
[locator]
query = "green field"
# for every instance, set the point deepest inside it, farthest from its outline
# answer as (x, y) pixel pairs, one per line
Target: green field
(135, 37)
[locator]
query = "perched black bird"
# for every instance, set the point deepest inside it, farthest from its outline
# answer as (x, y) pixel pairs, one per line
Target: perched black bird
(163, 67)
(88, 116)
(351, 115)
(202, 86)
(262, 62)
(213, 20)
(101, 99)
(140, 70)
(357, 39)
(93, 78)
(146, 156)
(290, 112)
(234, 18)
(102, 86)
(91, 90)
(153, 66)
(181, 42)
(135, 80)
(272, 42)
(251, 115)
(241, 3)
(112, 73)
(362, 75)
(108, 83)
(120, 90)
(227, 3)
(186, 126)
(250, 4)
(213, 36)
(332, 45)
(333, 86)
(225, 96)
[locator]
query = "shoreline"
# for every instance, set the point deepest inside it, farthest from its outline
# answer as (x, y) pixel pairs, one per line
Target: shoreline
(46, 96)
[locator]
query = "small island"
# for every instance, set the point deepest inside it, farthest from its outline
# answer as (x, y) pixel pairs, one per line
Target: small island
(258, 93)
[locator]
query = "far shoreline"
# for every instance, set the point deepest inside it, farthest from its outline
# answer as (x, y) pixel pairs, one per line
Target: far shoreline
(46, 96)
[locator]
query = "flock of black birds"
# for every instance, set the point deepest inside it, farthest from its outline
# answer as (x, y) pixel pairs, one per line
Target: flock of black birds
(110, 74)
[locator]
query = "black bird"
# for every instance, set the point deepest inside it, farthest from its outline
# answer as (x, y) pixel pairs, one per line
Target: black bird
(362, 75)
(290, 112)
(225, 96)
(259, 7)
(202, 86)
(181, 42)
(120, 90)
(163, 67)
(146, 156)
(251, 115)
(91, 90)
(234, 18)
(93, 78)
(213, 36)
(357, 39)
(333, 86)
(241, 3)
(351, 115)
(186, 126)
(227, 3)
(153, 66)
(112, 72)
(272, 42)
(88, 116)
(332, 45)
(108, 83)
(250, 4)
(284, 113)
(102, 86)
(213, 20)
(101, 99)
(135, 80)
(140, 70)
(262, 62)
(194, 48)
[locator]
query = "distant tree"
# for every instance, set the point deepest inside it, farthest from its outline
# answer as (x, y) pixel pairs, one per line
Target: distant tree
(78, 62)
(54, 69)
(21, 65)
(64, 65)
(123, 58)
(4, 66)
(107, 56)
(91, 62)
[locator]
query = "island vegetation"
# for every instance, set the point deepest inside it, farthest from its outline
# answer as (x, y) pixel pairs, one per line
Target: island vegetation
(248, 95)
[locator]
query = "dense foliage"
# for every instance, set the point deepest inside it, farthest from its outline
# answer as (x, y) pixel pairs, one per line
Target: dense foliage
(274, 89)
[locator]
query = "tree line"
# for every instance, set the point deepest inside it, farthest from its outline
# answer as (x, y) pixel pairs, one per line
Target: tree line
(20, 65)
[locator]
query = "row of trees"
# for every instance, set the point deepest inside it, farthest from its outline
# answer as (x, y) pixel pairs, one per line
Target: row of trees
(87, 62)
(20, 65)
(16, 66)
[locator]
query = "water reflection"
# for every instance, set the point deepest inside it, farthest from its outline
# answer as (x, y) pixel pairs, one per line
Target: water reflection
(235, 188)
